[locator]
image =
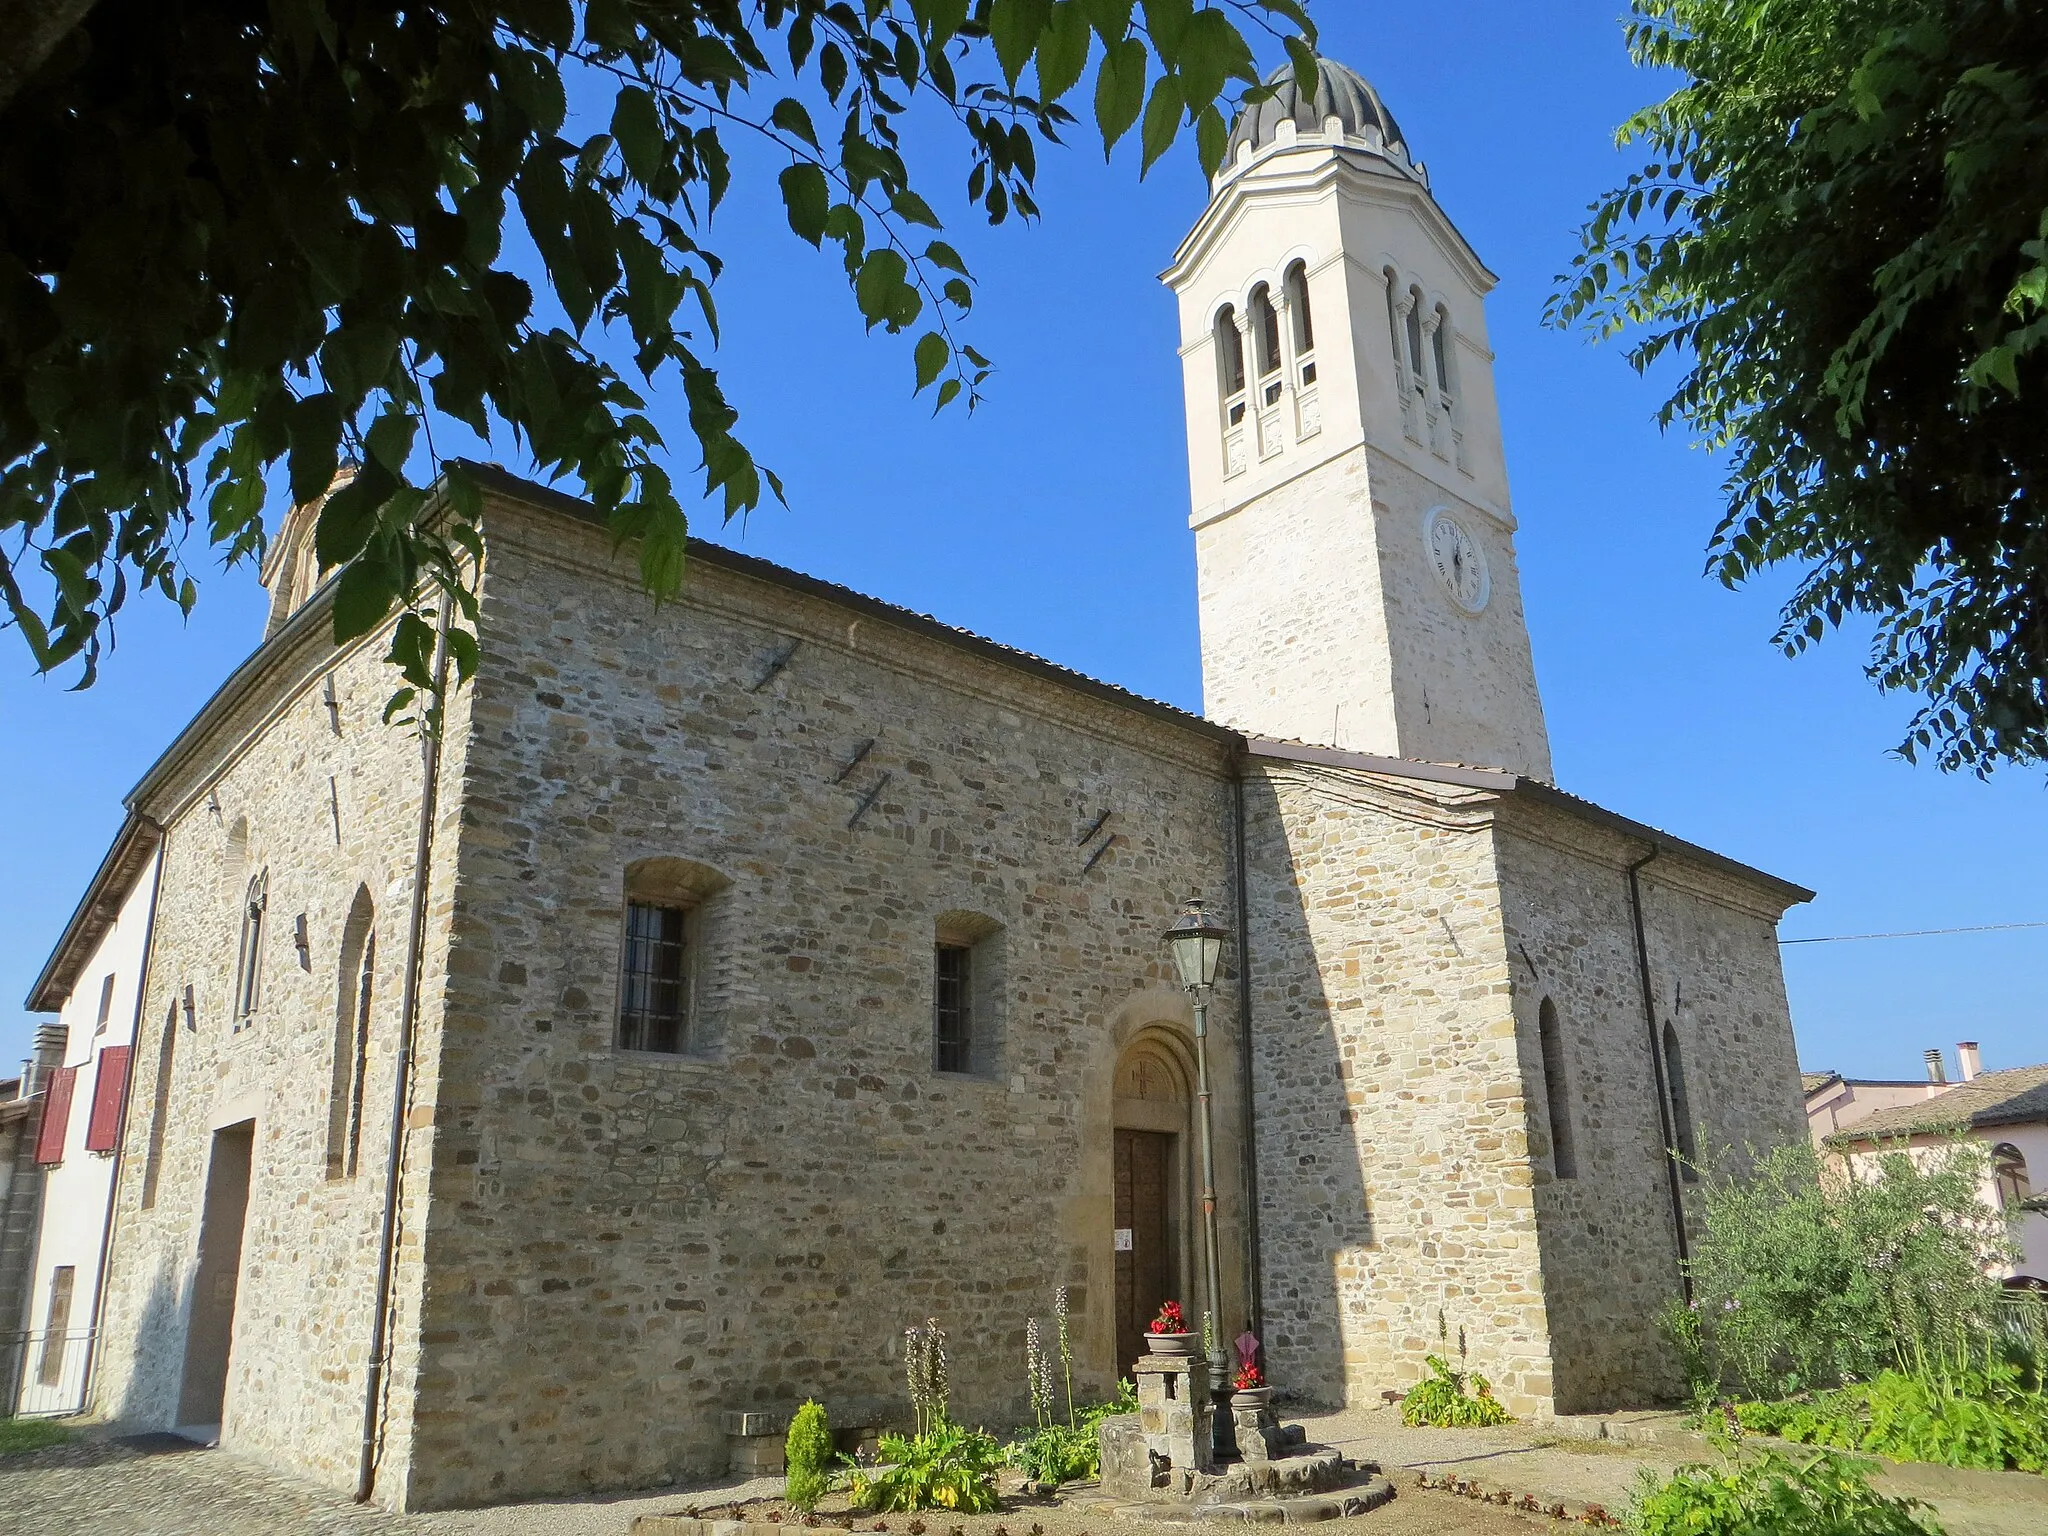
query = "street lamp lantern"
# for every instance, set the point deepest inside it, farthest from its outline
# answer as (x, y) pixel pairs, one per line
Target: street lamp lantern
(1196, 943)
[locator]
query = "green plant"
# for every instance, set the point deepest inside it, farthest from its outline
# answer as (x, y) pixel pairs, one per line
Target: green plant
(1958, 1417)
(1125, 1401)
(924, 1374)
(1064, 1453)
(1769, 1494)
(1441, 1401)
(19, 1436)
(944, 1467)
(1059, 1313)
(807, 1457)
(1056, 1453)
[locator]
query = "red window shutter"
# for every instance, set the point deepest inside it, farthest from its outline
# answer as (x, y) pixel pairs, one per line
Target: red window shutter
(56, 1116)
(109, 1092)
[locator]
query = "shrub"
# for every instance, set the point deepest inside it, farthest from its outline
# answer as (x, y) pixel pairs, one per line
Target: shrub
(1441, 1401)
(946, 1467)
(807, 1456)
(1804, 1278)
(1768, 1494)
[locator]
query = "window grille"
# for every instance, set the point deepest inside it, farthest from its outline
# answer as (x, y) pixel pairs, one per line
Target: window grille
(953, 1008)
(654, 989)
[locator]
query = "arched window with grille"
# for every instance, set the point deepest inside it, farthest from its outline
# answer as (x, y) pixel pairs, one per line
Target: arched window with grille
(1564, 1158)
(249, 959)
(1681, 1105)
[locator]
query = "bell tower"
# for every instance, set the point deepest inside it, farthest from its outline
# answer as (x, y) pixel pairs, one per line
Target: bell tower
(1354, 545)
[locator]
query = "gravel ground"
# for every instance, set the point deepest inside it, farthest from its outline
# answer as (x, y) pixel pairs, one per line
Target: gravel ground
(164, 1487)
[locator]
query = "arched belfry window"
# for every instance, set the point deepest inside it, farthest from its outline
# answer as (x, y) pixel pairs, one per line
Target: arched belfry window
(1230, 365)
(1564, 1158)
(1230, 386)
(1681, 1105)
(1303, 323)
(1266, 344)
(249, 961)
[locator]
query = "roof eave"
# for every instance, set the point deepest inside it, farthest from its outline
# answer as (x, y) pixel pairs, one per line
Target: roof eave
(128, 856)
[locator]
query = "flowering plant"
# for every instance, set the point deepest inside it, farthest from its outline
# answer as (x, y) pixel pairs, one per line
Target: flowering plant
(1247, 1378)
(1169, 1319)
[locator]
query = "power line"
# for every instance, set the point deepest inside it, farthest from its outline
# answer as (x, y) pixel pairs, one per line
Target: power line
(1913, 933)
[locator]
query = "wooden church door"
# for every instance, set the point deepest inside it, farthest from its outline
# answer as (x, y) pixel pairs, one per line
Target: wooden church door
(1144, 1248)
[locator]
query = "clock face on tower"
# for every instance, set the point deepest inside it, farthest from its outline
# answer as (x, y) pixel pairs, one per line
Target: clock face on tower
(1456, 557)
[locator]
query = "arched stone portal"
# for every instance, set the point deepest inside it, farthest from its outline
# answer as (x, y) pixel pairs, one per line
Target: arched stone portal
(1153, 1183)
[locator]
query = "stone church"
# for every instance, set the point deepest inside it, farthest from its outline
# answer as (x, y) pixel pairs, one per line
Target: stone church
(742, 981)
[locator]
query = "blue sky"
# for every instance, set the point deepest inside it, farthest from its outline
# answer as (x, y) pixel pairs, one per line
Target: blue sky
(1055, 519)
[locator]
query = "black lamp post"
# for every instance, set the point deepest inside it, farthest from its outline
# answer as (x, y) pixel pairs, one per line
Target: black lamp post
(1196, 943)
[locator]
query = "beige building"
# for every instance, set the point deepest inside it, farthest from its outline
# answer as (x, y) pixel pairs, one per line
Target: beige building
(747, 979)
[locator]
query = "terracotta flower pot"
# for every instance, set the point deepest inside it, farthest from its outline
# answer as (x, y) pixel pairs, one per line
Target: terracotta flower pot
(1170, 1344)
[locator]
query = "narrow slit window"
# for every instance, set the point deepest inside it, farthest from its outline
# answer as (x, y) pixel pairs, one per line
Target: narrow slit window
(1415, 367)
(359, 1059)
(249, 964)
(654, 991)
(106, 1004)
(1681, 1106)
(953, 1008)
(1297, 307)
(160, 1108)
(1394, 318)
(1564, 1160)
(1440, 339)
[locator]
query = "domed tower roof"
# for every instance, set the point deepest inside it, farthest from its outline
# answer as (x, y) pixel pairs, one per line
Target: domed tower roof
(1340, 93)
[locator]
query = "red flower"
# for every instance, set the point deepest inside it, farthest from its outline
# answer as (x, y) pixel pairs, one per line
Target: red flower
(1169, 1319)
(1247, 1378)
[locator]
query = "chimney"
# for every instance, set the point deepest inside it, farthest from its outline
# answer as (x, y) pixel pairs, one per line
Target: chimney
(49, 1056)
(1968, 1063)
(1936, 1073)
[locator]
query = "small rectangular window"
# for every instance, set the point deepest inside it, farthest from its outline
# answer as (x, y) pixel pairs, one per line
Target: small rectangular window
(654, 986)
(953, 1008)
(106, 1003)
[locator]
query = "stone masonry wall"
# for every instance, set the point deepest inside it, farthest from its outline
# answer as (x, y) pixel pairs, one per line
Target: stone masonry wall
(1609, 1256)
(330, 801)
(1394, 1182)
(623, 1246)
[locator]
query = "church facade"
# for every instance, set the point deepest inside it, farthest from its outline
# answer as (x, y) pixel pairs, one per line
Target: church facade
(743, 981)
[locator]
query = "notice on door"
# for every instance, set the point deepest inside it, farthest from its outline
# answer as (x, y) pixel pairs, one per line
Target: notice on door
(1123, 1239)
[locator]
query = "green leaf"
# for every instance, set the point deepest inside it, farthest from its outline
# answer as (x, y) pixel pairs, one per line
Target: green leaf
(1063, 51)
(913, 209)
(1015, 27)
(1162, 120)
(363, 596)
(1303, 58)
(1166, 21)
(941, 254)
(316, 444)
(1212, 139)
(807, 199)
(789, 115)
(1119, 90)
(876, 286)
(933, 353)
(636, 124)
